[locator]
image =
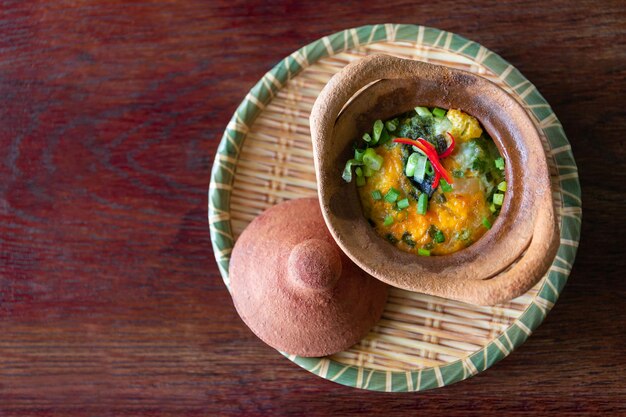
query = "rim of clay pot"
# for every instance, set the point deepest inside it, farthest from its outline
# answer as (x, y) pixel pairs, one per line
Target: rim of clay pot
(509, 258)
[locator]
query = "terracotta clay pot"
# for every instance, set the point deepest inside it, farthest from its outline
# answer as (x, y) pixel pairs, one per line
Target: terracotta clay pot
(508, 259)
(296, 289)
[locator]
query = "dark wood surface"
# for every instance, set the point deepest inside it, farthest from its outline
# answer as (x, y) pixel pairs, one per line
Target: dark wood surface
(110, 115)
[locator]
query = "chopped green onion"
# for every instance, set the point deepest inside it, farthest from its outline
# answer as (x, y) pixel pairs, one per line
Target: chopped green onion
(367, 138)
(440, 237)
(377, 131)
(372, 159)
(492, 208)
(422, 204)
(498, 199)
(420, 168)
(404, 203)
(367, 171)
(458, 173)
(423, 112)
(502, 186)
(423, 252)
(392, 125)
(486, 223)
(407, 238)
(384, 137)
(360, 179)
(377, 195)
(392, 195)
(347, 171)
(445, 186)
(429, 169)
(388, 220)
(439, 112)
(358, 154)
(411, 164)
(499, 164)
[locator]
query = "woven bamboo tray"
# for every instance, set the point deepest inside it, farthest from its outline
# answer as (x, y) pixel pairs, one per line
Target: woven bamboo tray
(265, 157)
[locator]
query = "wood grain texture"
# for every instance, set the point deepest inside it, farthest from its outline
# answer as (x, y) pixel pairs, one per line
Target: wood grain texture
(110, 301)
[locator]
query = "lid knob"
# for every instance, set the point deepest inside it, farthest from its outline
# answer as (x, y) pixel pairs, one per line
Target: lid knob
(314, 264)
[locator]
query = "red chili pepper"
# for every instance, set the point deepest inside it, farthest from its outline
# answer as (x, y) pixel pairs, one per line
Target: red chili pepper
(431, 153)
(448, 151)
(415, 143)
(427, 143)
(434, 160)
(436, 180)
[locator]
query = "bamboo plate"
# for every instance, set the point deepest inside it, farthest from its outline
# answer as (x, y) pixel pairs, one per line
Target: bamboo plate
(421, 342)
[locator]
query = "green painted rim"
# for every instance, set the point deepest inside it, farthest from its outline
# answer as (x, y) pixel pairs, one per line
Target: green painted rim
(228, 152)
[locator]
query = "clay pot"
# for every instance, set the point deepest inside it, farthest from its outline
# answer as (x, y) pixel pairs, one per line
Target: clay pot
(511, 257)
(296, 289)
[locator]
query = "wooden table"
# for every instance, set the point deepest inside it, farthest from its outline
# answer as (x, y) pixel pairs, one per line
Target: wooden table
(110, 300)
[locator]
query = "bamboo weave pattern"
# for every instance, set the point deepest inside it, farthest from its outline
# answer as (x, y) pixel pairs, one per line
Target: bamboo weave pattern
(421, 341)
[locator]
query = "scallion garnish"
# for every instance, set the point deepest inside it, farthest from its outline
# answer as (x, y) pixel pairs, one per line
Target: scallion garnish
(423, 252)
(368, 172)
(372, 160)
(440, 237)
(411, 164)
(423, 112)
(492, 208)
(377, 131)
(358, 154)
(502, 186)
(420, 168)
(439, 112)
(377, 195)
(347, 171)
(429, 168)
(392, 195)
(498, 199)
(486, 223)
(445, 186)
(392, 125)
(391, 238)
(499, 164)
(360, 179)
(407, 238)
(384, 137)
(404, 203)
(422, 204)
(388, 220)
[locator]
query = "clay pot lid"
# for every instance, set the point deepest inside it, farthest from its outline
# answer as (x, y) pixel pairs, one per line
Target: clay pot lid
(294, 287)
